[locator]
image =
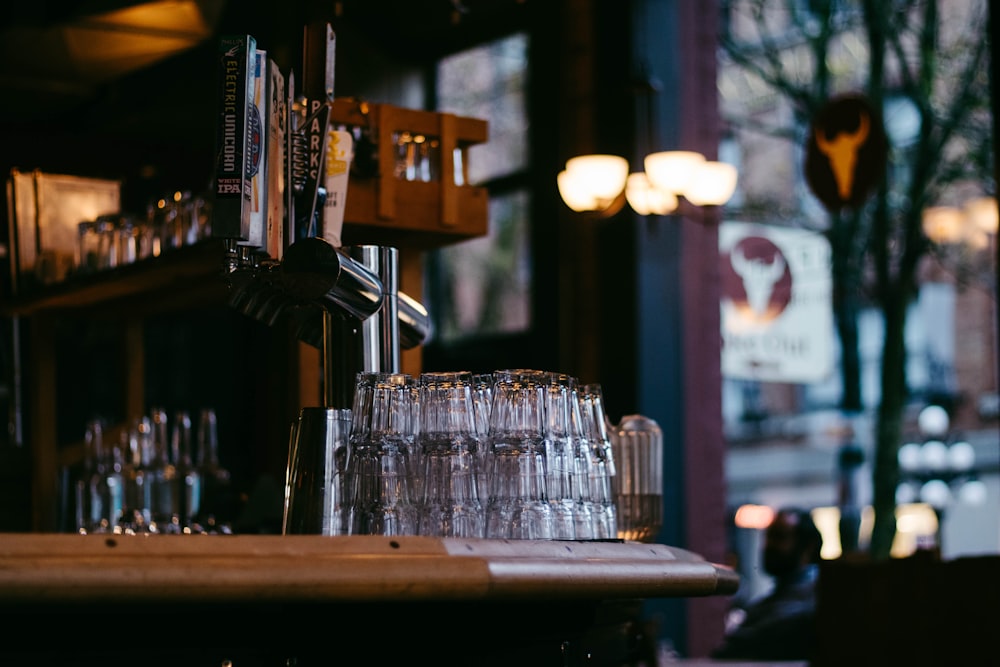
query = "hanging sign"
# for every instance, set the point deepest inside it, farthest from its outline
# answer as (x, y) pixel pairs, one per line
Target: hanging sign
(777, 317)
(845, 152)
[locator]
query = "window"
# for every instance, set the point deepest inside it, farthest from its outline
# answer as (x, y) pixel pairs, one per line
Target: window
(482, 287)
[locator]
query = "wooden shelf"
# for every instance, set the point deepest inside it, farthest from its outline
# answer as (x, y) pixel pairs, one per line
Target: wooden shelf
(386, 210)
(190, 274)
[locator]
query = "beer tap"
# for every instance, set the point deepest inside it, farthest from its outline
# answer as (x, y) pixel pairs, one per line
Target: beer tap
(343, 300)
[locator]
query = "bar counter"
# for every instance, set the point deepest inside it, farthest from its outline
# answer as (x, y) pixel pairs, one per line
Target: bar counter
(70, 568)
(274, 601)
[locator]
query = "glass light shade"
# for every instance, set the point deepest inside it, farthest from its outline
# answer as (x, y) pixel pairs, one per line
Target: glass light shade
(936, 493)
(909, 457)
(977, 239)
(906, 493)
(602, 175)
(712, 184)
(983, 213)
(646, 199)
(575, 194)
(943, 224)
(671, 171)
(973, 492)
(933, 421)
(961, 456)
(934, 455)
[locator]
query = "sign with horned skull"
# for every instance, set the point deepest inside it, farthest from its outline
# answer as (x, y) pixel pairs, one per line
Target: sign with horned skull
(846, 152)
(777, 322)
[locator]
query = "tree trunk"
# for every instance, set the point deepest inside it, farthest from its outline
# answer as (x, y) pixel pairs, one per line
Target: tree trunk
(843, 236)
(888, 429)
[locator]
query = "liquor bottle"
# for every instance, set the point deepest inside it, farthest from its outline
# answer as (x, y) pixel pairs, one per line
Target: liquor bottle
(136, 453)
(93, 497)
(163, 480)
(216, 509)
(189, 479)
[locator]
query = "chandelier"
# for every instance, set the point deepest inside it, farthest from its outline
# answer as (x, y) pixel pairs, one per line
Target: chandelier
(598, 183)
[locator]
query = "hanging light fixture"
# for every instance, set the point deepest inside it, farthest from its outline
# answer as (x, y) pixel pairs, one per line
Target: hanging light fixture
(594, 182)
(597, 182)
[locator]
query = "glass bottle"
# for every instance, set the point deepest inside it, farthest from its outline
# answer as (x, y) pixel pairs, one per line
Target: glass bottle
(163, 481)
(115, 478)
(216, 510)
(189, 479)
(136, 450)
(92, 495)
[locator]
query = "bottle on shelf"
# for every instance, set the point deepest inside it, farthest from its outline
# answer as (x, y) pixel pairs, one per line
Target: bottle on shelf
(216, 508)
(188, 476)
(164, 483)
(98, 488)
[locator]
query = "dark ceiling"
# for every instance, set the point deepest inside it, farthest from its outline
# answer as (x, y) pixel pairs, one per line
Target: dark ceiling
(105, 57)
(113, 87)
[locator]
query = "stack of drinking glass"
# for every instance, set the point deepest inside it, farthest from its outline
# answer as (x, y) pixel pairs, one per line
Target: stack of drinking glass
(516, 454)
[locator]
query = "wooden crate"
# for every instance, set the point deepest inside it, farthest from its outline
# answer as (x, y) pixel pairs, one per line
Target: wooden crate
(388, 210)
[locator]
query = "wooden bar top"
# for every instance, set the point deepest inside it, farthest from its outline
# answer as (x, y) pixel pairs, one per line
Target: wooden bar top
(66, 568)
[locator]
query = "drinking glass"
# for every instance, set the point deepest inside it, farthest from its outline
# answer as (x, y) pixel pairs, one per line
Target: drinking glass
(482, 403)
(595, 432)
(379, 470)
(315, 476)
(448, 443)
(604, 451)
(565, 462)
(592, 517)
(89, 247)
(517, 507)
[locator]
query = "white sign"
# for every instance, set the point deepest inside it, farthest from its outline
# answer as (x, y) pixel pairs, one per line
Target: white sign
(777, 313)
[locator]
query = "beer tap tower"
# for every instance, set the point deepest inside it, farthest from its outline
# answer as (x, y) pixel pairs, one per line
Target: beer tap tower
(269, 207)
(280, 202)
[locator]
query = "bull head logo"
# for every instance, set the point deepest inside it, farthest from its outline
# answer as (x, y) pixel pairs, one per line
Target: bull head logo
(842, 153)
(759, 278)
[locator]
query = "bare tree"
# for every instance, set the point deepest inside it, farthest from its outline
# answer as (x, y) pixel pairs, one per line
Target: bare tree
(932, 56)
